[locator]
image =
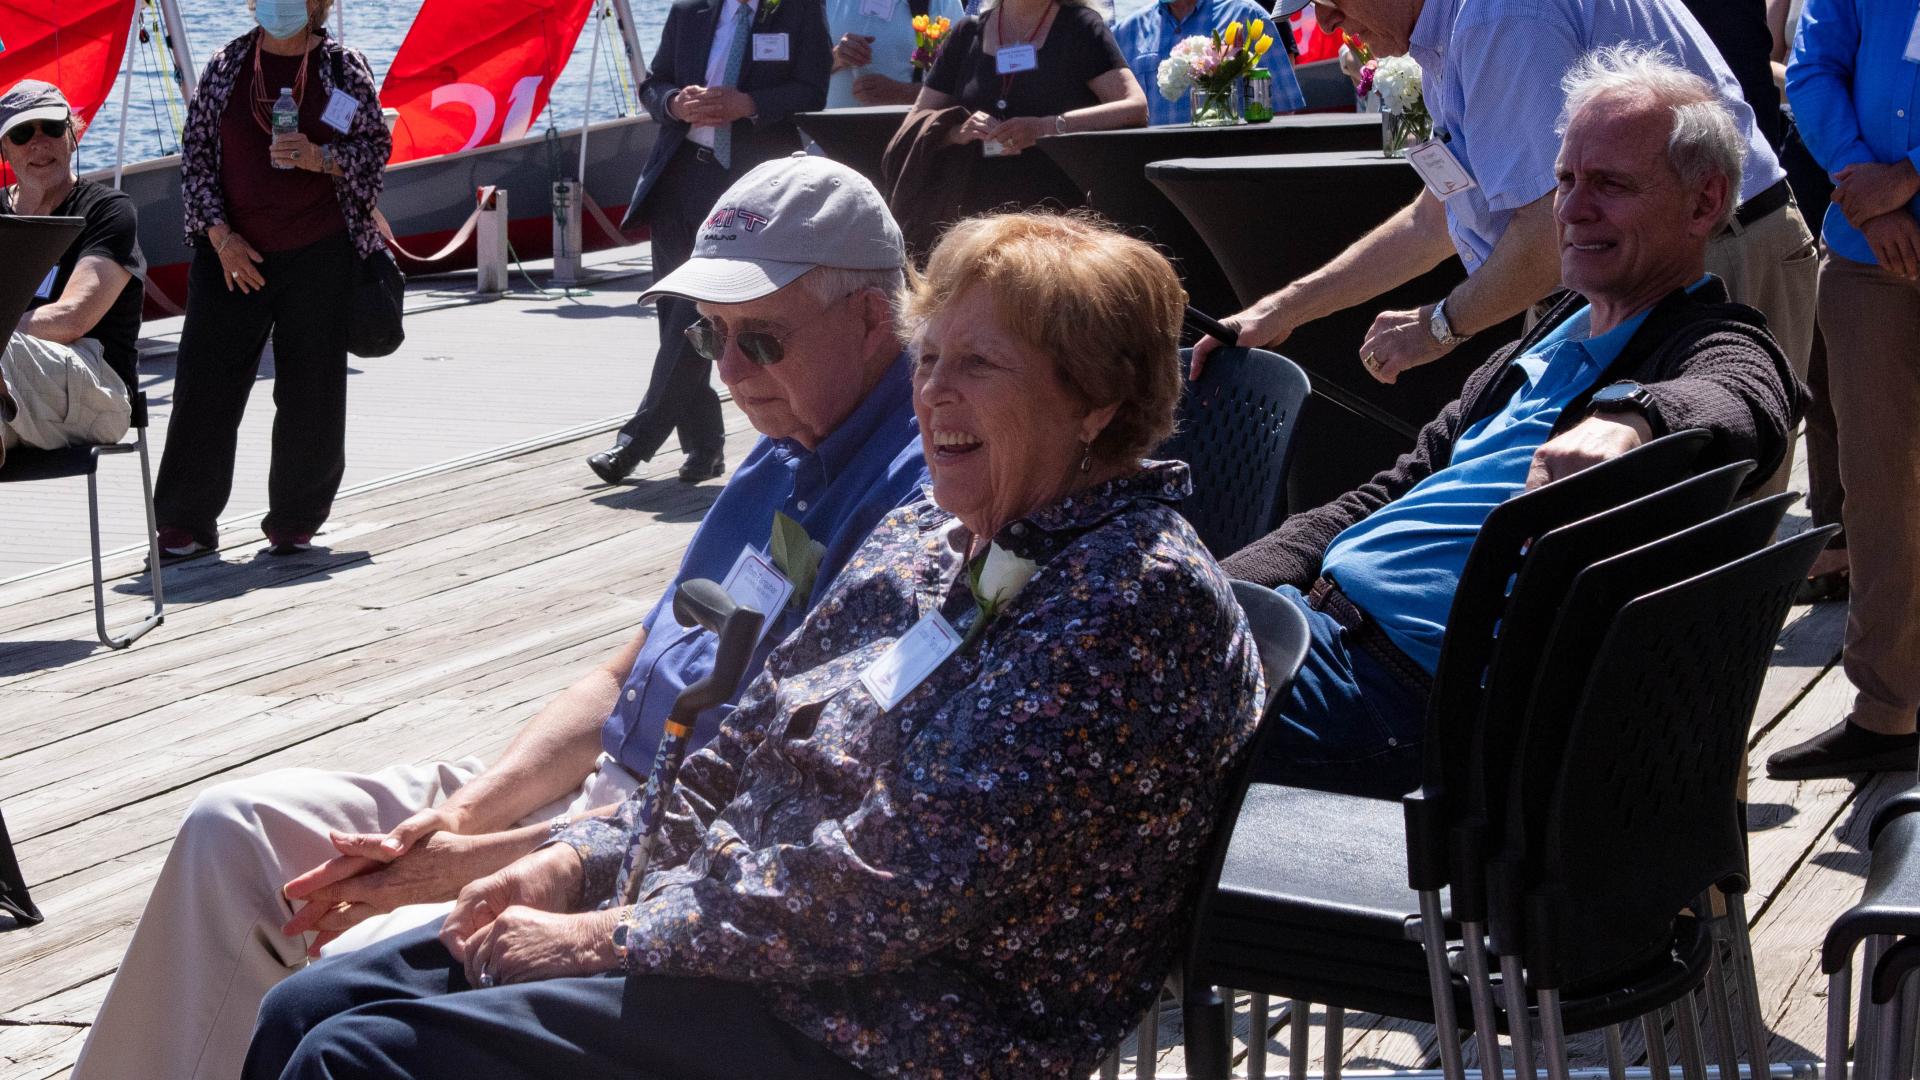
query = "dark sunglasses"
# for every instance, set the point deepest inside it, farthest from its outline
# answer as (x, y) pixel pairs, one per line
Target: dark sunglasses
(757, 346)
(52, 129)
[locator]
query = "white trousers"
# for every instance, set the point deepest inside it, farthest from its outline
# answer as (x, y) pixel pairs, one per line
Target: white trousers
(208, 947)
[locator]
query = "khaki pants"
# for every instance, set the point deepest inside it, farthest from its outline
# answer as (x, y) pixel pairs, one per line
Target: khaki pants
(209, 946)
(1871, 320)
(1773, 266)
(66, 394)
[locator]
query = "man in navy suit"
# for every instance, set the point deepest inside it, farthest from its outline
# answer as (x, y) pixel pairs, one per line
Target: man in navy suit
(729, 76)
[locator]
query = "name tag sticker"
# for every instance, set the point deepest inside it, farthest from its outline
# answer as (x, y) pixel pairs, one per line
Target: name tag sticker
(340, 109)
(754, 582)
(879, 9)
(1013, 59)
(907, 663)
(1439, 169)
(1913, 41)
(45, 291)
(769, 46)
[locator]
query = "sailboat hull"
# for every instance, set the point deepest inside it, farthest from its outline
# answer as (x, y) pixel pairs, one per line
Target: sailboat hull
(426, 201)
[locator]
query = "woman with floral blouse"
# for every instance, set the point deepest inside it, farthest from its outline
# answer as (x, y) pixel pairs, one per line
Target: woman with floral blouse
(276, 222)
(981, 873)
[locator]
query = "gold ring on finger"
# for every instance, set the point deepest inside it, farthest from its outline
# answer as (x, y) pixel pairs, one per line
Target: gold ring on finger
(1371, 361)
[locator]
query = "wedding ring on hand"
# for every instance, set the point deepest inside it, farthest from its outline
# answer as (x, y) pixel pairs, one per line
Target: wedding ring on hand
(486, 979)
(1371, 361)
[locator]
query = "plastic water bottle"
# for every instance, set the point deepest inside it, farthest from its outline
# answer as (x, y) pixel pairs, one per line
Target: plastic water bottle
(286, 120)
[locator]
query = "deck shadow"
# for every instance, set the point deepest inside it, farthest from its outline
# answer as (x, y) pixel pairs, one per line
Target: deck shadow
(205, 580)
(666, 497)
(28, 657)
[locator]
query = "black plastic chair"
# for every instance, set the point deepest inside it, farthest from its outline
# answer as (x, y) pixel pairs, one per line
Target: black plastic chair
(1339, 898)
(13, 887)
(1236, 432)
(1887, 919)
(1642, 819)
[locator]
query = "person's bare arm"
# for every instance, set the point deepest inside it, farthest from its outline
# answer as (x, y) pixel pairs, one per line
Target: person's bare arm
(91, 290)
(1777, 12)
(1408, 244)
(1523, 267)
(1122, 104)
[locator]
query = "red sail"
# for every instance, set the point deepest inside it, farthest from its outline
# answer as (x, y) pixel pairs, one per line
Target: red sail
(475, 72)
(77, 45)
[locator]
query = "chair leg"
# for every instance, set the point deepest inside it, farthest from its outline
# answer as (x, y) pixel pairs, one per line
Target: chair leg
(1433, 938)
(1686, 1020)
(1722, 1017)
(153, 554)
(1208, 1035)
(1480, 994)
(1866, 1040)
(1654, 1027)
(1146, 1041)
(1553, 1039)
(1759, 1044)
(1299, 1021)
(1336, 1043)
(1110, 1068)
(1256, 1037)
(1886, 1050)
(1616, 1054)
(1910, 1012)
(1839, 1021)
(1514, 983)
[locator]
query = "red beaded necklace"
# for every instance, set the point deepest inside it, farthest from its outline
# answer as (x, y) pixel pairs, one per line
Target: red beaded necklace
(262, 104)
(1000, 21)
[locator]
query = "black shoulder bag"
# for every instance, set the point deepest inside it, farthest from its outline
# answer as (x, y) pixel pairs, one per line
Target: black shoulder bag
(374, 312)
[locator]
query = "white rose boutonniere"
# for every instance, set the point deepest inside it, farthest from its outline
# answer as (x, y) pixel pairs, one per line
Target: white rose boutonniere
(996, 578)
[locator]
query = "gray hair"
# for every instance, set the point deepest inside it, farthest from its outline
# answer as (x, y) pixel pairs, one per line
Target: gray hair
(1705, 140)
(829, 283)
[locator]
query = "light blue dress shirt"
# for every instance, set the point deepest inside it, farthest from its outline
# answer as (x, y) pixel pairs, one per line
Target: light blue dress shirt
(1491, 79)
(892, 41)
(839, 491)
(1402, 562)
(1855, 96)
(1147, 36)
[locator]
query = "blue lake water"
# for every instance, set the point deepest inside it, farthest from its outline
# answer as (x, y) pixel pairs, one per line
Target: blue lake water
(376, 27)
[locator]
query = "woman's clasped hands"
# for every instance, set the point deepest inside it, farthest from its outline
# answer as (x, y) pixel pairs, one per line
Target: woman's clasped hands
(515, 925)
(1011, 135)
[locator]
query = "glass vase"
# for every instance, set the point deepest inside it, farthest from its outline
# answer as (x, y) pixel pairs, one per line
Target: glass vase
(1215, 107)
(1257, 104)
(1399, 130)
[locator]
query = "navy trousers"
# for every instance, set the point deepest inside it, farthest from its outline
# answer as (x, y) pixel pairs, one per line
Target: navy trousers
(403, 1008)
(1349, 724)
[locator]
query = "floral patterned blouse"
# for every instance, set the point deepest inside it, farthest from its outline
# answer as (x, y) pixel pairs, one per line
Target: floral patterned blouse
(990, 879)
(361, 152)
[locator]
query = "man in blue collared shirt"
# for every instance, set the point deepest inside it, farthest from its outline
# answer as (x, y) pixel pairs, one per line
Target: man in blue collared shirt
(794, 274)
(1491, 72)
(1147, 37)
(1855, 85)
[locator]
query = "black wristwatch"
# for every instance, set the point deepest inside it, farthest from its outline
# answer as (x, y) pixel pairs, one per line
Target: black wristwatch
(1623, 396)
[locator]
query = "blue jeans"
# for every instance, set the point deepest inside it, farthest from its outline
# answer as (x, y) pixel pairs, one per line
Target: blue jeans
(1348, 724)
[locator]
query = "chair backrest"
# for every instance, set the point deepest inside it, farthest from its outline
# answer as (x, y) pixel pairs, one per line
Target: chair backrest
(1280, 631)
(33, 245)
(1538, 738)
(1236, 432)
(1643, 817)
(1485, 743)
(1480, 600)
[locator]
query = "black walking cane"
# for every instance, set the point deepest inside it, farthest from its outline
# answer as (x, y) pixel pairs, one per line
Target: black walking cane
(1322, 388)
(738, 628)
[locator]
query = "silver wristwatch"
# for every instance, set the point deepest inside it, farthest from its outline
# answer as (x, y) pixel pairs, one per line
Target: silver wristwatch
(1441, 329)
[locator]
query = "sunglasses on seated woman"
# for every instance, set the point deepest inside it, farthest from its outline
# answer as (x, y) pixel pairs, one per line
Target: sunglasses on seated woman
(757, 346)
(23, 134)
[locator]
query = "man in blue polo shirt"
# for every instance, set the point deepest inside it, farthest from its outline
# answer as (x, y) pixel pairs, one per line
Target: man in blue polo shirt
(1148, 36)
(795, 273)
(1649, 171)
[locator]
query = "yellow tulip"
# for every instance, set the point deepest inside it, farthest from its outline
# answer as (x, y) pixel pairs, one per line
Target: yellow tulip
(1255, 28)
(945, 24)
(1233, 34)
(1260, 47)
(920, 22)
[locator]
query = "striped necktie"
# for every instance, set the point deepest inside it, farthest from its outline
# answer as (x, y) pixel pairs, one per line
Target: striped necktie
(736, 53)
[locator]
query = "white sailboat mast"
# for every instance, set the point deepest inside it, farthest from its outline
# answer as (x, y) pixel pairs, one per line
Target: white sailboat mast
(630, 37)
(182, 49)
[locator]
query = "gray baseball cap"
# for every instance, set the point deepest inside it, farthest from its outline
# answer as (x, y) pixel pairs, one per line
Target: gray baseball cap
(779, 221)
(29, 100)
(1285, 8)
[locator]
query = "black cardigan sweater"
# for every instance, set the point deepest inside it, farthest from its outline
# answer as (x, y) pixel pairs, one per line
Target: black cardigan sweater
(1707, 362)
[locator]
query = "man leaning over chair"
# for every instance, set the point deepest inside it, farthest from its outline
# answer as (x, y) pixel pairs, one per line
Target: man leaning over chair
(1646, 344)
(64, 368)
(798, 315)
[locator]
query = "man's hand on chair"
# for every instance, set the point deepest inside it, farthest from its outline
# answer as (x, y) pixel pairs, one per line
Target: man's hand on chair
(1588, 443)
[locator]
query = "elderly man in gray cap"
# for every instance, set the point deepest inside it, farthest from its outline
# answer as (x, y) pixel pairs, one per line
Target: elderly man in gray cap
(794, 273)
(68, 364)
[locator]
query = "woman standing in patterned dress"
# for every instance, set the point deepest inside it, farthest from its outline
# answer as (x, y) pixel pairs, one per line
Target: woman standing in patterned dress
(952, 828)
(276, 223)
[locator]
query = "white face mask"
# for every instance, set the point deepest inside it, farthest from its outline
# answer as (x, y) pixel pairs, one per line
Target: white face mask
(281, 18)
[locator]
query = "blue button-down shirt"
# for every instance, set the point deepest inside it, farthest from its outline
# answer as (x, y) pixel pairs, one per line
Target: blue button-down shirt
(1147, 36)
(1491, 74)
(1402, 563)
(839, 491)
(1855, 96)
